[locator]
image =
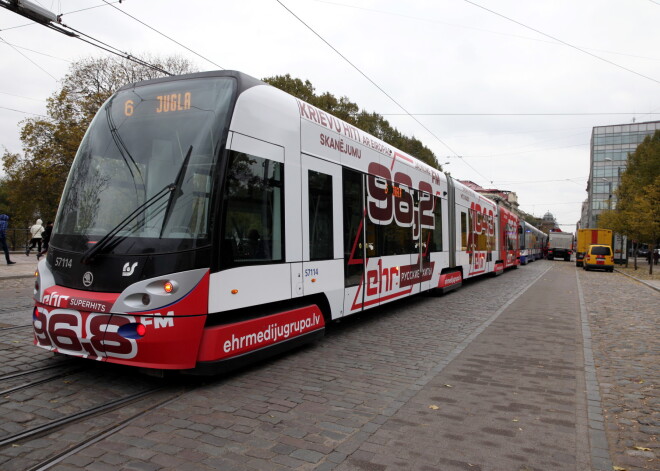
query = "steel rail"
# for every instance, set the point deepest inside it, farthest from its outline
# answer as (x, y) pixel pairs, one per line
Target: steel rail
(57, 423)
(58, 458)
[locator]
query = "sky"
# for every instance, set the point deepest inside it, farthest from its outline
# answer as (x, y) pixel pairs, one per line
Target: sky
(505, 92)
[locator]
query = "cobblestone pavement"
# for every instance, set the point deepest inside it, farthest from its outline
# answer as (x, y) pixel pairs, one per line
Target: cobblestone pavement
(16, 301)
(624, 318)
(491, 377)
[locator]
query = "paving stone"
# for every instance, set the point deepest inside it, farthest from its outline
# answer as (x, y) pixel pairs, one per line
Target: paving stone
(522, 391)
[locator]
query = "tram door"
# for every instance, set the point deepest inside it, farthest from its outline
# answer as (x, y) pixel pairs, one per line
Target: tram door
(321, 227)
(429, 211)
(353, 239)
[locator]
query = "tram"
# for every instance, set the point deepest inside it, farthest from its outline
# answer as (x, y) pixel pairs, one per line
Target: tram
(532, 243)
(211, 219)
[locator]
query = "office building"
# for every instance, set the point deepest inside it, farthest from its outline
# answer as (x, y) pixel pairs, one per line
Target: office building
(610, 146)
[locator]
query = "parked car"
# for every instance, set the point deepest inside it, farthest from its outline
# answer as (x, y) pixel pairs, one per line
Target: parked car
(599, 257)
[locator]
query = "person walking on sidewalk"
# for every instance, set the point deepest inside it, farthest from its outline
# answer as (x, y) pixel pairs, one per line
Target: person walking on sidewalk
(4, 222)
(46, 239)
(35, 231)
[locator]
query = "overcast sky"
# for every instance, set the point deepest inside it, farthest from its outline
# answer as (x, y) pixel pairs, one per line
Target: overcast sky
(508, 97)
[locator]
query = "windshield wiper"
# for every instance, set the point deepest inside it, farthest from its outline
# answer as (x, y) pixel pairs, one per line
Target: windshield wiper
(121, 146)
(103, 242)
(178, 183)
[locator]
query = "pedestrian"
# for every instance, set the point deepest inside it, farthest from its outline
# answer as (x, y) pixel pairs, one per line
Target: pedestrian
(46, 238)
(656, 256)
(35, 231)
(4, 222)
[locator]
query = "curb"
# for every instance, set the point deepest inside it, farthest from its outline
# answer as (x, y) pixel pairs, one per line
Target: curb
(638, 280)
(15, 277)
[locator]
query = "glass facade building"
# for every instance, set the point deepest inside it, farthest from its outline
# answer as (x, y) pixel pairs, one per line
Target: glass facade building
(610, 146)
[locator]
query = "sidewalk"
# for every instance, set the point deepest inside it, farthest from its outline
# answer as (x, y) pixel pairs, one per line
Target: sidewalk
(642, 273)
(514, 399)
(23, 268)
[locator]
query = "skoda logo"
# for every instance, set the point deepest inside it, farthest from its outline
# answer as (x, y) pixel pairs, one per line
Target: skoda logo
(88, 279)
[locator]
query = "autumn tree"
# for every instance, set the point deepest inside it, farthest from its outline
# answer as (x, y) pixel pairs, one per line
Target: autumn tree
(637, 214)
(36, 178)
(344, 109)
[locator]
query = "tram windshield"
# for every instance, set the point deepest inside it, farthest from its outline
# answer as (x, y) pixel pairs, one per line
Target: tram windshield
(144, 170)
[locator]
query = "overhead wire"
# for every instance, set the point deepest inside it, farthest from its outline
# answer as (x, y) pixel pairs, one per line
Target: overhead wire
(163, 34)
(21, 111)
(473, 28)
(62, 14)
(113, 50)
(521, 114)
(561, 41)
(21, 96)
(524, 182)
(65, 29)
(538, 149)
(378, 87)
(26, 57)
(36, 52)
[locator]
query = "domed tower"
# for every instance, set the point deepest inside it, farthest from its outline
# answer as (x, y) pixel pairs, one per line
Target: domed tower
(549, 223)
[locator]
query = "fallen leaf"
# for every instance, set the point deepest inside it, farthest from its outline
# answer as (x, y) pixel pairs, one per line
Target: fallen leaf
(448, 386)
(642, 448)
(619, 468)
(434, 407)
(14, 445)
(515, 420)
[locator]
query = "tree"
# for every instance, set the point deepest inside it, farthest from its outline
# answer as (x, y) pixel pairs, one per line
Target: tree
(531, 219)
(637, 214)
(35, 180)
(348, 111)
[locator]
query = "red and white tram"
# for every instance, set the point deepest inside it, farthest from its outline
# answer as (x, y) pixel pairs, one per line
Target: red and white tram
(210, 218)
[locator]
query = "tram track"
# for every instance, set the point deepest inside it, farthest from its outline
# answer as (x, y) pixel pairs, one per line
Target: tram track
(15, 327)
(37, 382)
(101, 435)
(16, 308)
(30, 371)
(52, 425)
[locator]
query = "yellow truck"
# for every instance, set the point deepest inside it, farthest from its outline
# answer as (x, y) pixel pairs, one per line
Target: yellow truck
(587, 237)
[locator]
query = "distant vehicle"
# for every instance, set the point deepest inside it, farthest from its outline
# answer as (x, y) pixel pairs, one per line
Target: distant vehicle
(587, 237)
(532, 242)
(560, 245)
(599, 257)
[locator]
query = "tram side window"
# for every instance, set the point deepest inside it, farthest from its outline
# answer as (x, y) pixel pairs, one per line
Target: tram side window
(464, 232)
(254, 211)
(396, 238)
(437, 232)
(353, 235)
(320, 216)
(511, 239)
